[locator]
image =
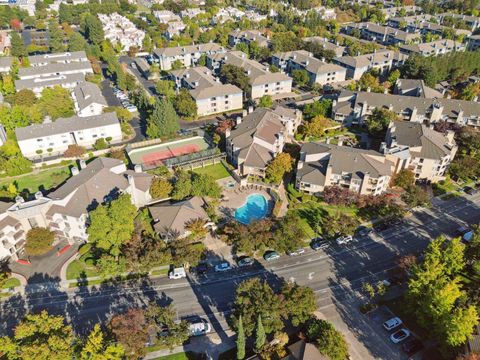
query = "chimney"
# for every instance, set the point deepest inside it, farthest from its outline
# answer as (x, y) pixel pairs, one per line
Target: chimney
(369, 89)
(340, 142)
(238, 120)
(19, 200)
(327, 141)
(227, 133)
(300, 165)
(250, 109)
(130, 179)
(138, 168)
(82, 164)
(75, 171)
(450, 136)
(38, 195)
(244, 113)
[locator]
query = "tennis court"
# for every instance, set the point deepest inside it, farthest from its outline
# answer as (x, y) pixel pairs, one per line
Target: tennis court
(153, 156)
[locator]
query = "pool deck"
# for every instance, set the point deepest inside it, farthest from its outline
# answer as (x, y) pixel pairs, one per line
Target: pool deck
(237, 198)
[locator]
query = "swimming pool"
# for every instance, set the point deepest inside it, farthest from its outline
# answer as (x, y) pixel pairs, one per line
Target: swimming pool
(255, 208)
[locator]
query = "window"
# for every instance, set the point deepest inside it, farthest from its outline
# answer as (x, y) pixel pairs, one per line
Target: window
(94, 136)
(39, 140)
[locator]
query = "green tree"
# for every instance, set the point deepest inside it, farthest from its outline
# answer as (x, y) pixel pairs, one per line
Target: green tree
(92, 29)
(166, 88)
(183, 186)
(393, 77)
(8, 86)
(185, 105)
(56, 102)
(283, 163)
(165, 318)
(241, 46)
(241, 341)
(300, 77)
(260, 336)
(76, 42)
(377, 123)
(404, 179)
(160, 188)
(265, 101)
(40, 336)
(205, 185)
(96, 347)
(163, 120)
(329, 341)
(254, 298)
(235, 75)
(39, 241)
(318, 108)
(317, 126)
(111, 225)
(25, 97)
(300, 302)
(177, 65)
(56, 37)
(18, 47)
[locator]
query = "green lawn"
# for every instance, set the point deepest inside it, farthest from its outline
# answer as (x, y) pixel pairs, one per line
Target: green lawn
(43, 180)
(77, 269)
(10, 283)
(445, 187)
(217, 171)
(180, 356)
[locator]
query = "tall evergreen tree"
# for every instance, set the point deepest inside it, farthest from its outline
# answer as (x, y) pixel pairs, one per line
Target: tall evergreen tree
(56, 37)
(240, 340)
(163, 121)
(260, 336)
(93, 30)
(18, 47)
(76, 42)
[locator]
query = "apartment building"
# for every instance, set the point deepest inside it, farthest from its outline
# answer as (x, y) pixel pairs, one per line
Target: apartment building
(415, 87)
(58, 58)
(254, 16)
(38, 84)
(365, 172)
(262, 81)
(165, 16)
(5, 64)
(53, 138)
(119, 30)
(53, 69)
(187, 55)
(319, 72)
(228, 13)
(434, 48)
(326, 45)
(210, 95)
(175, 28)
(421, 149)
(246, 37)
(65, 210)
(382, 34)
(473, 22)
(423, 24)
(355, 107)
(473, 42)
(381, 60)
(88, 100)
(394, 11)
(191, 13)
(402, 22)
(259, 137)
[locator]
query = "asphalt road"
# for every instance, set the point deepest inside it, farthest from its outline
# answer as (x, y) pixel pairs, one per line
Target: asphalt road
(333, 275)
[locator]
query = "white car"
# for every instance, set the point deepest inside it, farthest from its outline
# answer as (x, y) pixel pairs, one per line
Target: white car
(392, 323)
(343, 240)
(299, 251)
(177, 273)
(399, 336)
(199, 328)
(132, 108)
(223, 266)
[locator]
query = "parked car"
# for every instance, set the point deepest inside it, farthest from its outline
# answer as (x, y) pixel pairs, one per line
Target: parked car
(223, 266)
(392, 323)
(201, 268)
(296, 252)
(471, 191)
(466, 233)
(177, 273)
(343, 240)
(399, 336)
(412, 346)
(364, 230)
(199, 328)
(271, 255)
(132, 108)
(318, 244)
(245, 261)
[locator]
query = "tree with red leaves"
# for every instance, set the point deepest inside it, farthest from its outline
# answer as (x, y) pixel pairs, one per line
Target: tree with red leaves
(336, 195)
(16, 24)
(130, 330)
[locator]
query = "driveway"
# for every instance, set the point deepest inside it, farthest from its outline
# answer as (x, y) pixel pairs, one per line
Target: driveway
(46, 267)
(147, 84)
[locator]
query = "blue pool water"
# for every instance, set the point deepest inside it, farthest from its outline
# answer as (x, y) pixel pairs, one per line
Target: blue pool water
(254, 209)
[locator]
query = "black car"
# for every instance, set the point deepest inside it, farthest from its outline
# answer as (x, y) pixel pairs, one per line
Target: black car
(202, 268)
(364, 230)
(412, 346)
(471, 191)
(381, 226)
(318, 244)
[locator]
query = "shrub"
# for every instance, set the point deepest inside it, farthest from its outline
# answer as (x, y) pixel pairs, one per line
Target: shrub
(74, 151)
(100, 144)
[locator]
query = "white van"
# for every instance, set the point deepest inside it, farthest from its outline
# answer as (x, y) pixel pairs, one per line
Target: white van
(177, 273)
